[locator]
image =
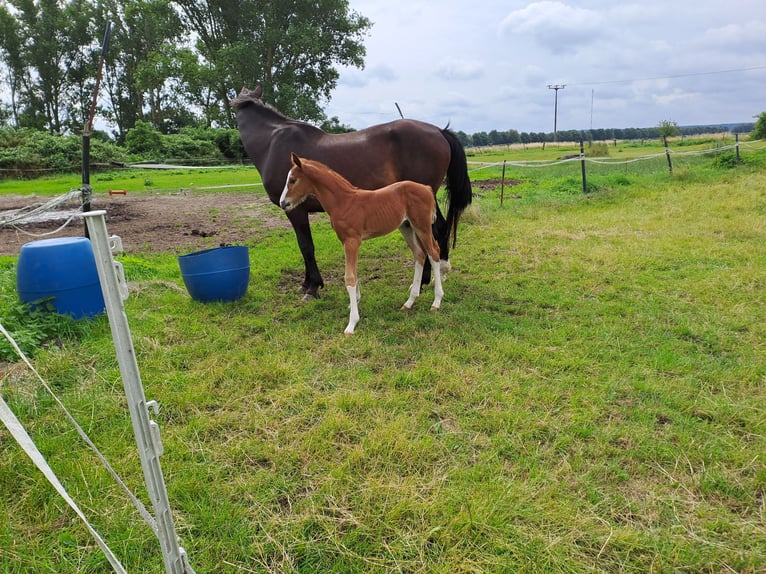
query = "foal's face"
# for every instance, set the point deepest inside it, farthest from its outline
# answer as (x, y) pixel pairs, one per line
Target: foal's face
(297, 189)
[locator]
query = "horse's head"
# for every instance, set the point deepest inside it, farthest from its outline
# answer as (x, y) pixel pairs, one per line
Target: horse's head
(247, 95)
(298, 187)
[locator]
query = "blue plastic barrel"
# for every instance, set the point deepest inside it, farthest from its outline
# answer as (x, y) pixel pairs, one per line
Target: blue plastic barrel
(218, 274)
(62, 271)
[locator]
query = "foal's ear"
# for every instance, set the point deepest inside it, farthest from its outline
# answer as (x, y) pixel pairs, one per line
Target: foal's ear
(296, 160)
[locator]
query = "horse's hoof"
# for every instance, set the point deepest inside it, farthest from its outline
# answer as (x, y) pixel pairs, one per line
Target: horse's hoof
(309, 297)
(434, 308)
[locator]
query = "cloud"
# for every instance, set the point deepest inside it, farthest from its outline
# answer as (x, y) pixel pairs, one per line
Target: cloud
(737, 35)
(487, 66)
(355, 78)
(460, 70)
(675, 97)
(555, 25)
(383, 73)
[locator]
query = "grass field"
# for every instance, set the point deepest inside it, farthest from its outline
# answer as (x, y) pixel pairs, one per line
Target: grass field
(589, 398)
(136, 180)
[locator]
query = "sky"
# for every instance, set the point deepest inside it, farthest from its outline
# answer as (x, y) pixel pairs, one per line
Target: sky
(487, 65)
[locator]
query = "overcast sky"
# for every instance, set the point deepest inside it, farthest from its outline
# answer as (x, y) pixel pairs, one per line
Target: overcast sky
(486, 64)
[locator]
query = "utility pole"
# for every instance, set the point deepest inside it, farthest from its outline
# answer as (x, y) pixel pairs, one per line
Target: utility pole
(556, 88)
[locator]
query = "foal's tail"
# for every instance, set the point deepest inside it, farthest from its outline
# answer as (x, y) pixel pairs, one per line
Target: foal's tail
(458, 184)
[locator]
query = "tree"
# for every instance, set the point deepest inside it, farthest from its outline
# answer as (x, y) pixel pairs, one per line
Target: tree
(290, 47)
(11, 47)
(333, 126)
(759, 130)
(481, 139)
(464, 138)
(150, 74)
(668, 128)
(50, 57)
(80, 60)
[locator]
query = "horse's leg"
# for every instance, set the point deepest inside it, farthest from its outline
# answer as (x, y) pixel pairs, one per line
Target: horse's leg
(420, 257)
(312, 281)
(351, 248)
(426, 242)
(438, 289)
(441, 235)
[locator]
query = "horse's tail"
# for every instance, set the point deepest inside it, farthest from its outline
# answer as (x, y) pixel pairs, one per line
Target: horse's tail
(458, 184)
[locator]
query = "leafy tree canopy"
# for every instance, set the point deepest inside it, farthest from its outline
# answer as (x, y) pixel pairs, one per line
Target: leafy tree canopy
(172, 63)
(668, 129)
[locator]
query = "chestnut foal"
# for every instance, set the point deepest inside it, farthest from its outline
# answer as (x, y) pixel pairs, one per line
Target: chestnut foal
(359, 214)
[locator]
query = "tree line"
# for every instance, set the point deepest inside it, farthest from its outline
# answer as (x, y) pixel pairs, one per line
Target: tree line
(171, 63)
(27, 152)
(495, 137)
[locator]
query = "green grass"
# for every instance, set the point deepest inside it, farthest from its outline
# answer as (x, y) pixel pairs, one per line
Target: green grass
(589, 398)
(133, 180)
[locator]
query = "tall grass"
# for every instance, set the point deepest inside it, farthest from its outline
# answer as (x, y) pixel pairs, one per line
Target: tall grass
(589, 398)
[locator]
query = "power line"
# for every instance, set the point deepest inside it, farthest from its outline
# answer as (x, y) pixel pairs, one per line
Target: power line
(601, 83)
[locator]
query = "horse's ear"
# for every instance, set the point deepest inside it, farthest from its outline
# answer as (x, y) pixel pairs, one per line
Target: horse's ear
(244, 91)
(296, 160)
(258, 92)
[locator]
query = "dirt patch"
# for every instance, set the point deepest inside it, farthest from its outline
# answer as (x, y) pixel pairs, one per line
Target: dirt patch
(491, 184)
(166, 223)
(147, 222)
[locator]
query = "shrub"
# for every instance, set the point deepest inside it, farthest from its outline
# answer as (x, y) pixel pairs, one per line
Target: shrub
(759, 131)
(31, 329)
(30, 153)
(725, 160)
(183, 146)
(143, 139)
(598, 149)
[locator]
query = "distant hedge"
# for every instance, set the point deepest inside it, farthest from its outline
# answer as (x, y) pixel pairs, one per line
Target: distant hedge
(27, 153)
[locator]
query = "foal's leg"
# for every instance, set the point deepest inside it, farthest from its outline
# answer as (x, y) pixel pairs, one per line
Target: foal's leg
(351, 248)
(420, 257)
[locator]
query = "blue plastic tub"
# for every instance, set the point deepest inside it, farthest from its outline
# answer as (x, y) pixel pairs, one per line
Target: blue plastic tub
(218, 274)
(61, 271)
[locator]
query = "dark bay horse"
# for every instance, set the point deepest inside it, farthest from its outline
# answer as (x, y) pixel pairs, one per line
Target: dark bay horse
(359, 214)
(370, 158)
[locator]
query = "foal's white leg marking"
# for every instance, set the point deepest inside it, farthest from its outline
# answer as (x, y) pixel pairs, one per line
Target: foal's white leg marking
(438, 291)
(353, 317)
(358, 295)
(415, 287)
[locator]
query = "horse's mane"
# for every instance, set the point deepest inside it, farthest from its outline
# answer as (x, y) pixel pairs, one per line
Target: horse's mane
(243, 99)
(252, 97)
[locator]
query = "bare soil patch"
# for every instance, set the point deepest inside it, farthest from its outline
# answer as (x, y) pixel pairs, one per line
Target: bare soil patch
(148, 222)
(166, 223)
